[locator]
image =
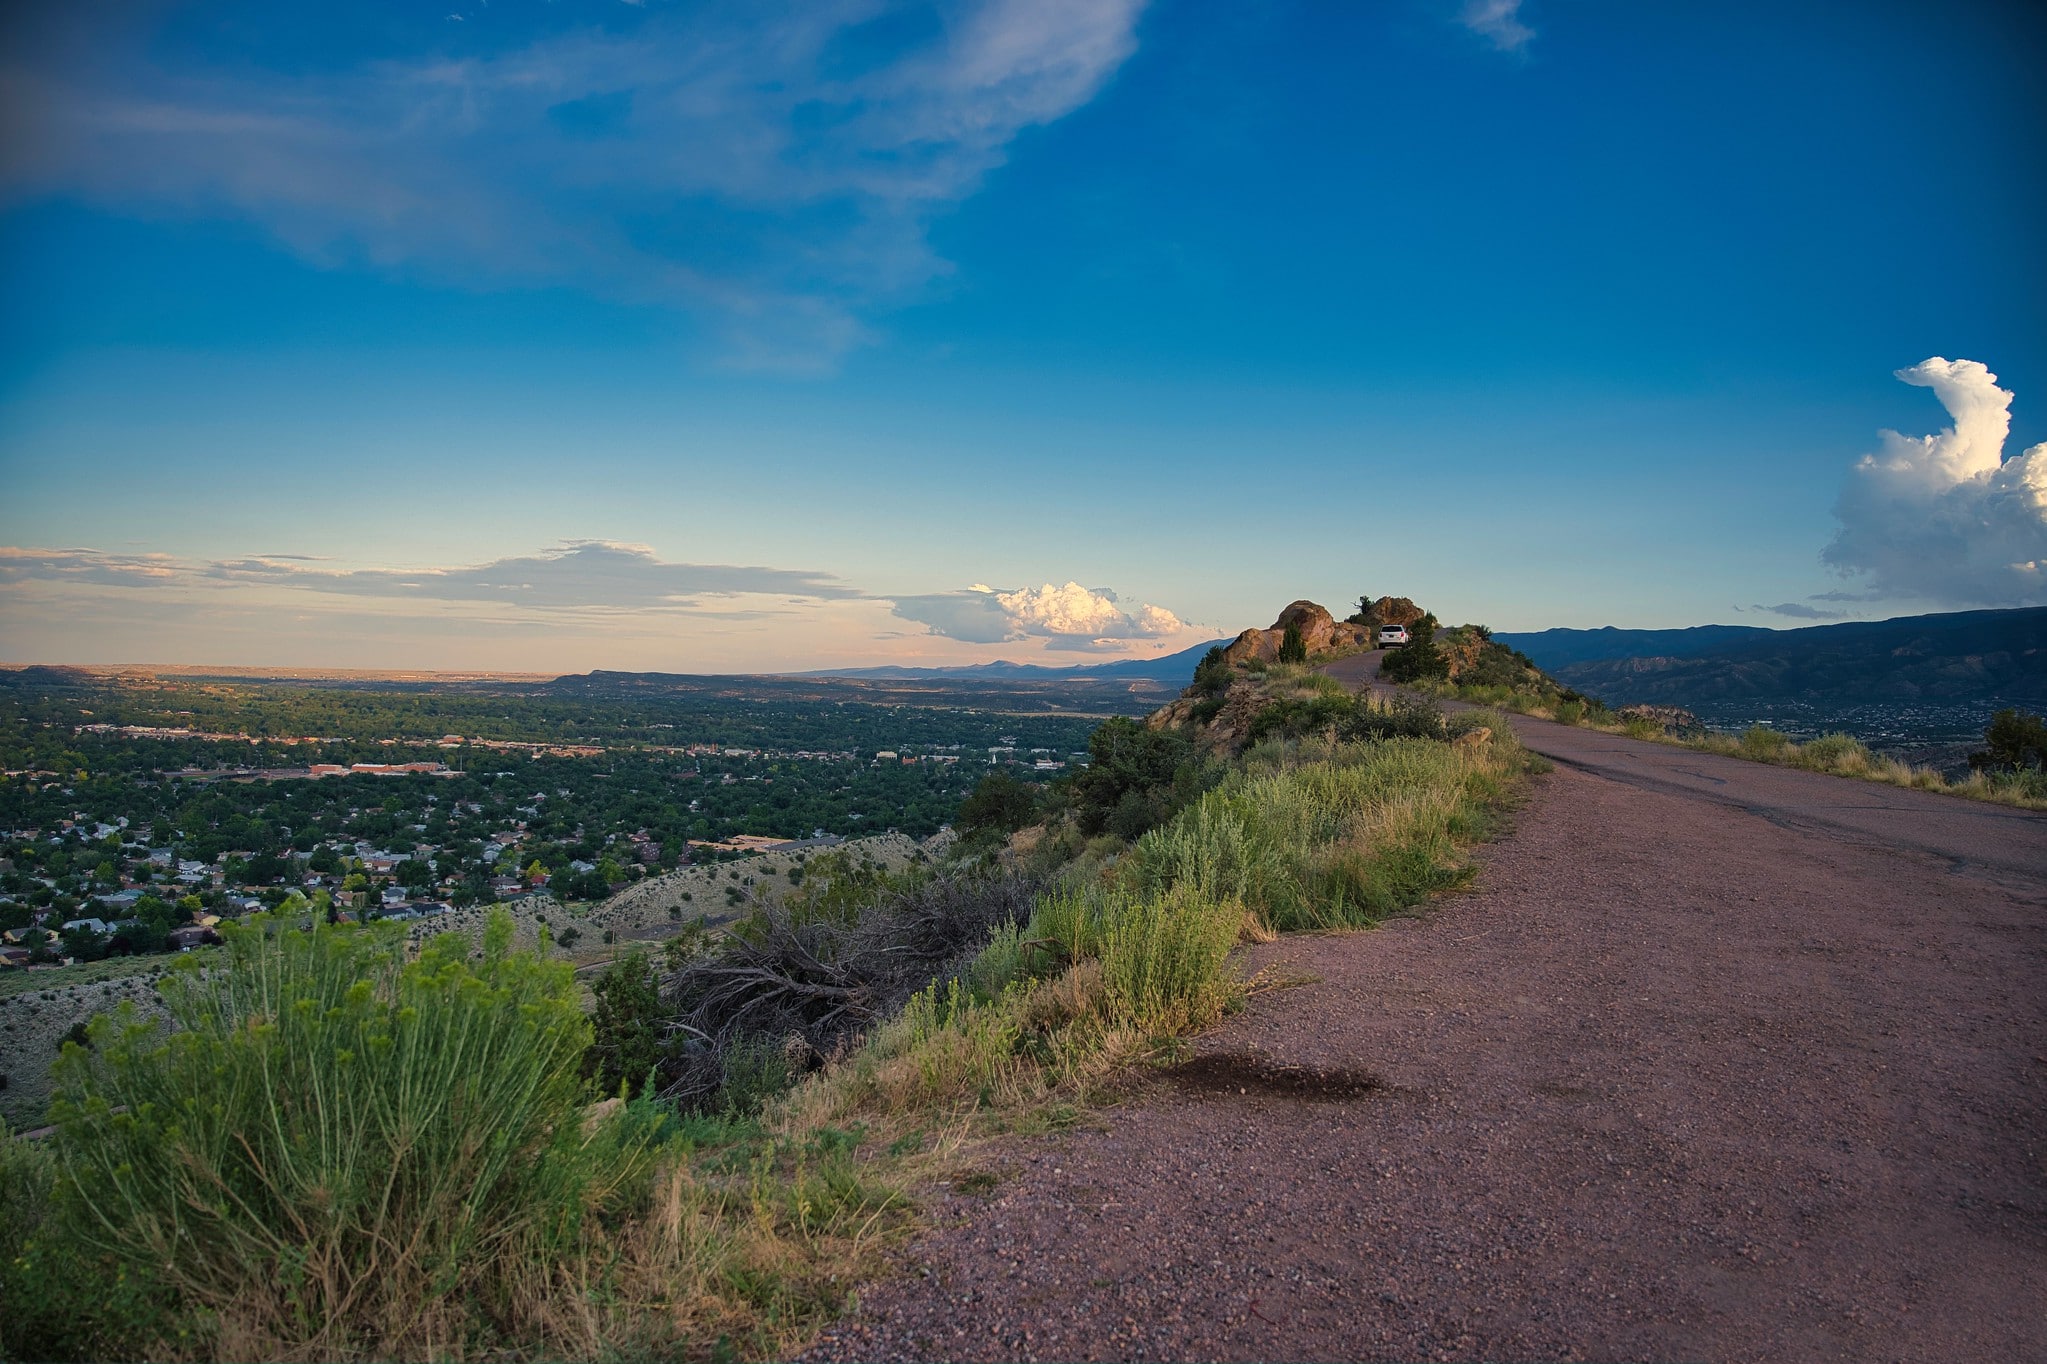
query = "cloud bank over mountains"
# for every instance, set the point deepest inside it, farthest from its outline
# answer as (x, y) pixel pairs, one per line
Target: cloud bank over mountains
(1069, 617)
(580, 575)
(593, 590)
(1947, 517)
(771, 166)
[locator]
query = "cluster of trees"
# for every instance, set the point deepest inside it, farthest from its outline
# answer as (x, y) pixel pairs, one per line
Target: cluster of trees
(1135, 779)
(265, 836)
(2013, 741)
(38, 720)
(573, 809)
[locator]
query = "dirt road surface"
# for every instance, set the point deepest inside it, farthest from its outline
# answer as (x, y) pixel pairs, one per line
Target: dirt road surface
(1716, 1062)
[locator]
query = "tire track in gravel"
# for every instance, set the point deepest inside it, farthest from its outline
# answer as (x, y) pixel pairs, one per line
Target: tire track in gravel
(1754, 1069)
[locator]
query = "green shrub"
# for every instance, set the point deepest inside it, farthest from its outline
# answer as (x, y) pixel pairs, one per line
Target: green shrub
(64, 1301)
(999, 804)
(997, 964)
(626, 1026)
(1165, 960)
(1206, 850)
(756, 1070)
(1213, 675)
(338, 1152)
(1292, 648)
(1067, 927)
(2013, 740)
(1762, 742)
(1834, 750)
(1135, 778)
(1403, 716)
(1294, 717)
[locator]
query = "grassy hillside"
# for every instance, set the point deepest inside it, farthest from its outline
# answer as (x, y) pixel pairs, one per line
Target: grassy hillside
(358, 1148)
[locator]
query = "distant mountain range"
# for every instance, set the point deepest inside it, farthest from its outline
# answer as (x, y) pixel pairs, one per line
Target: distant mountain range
(1553, 649)
(1175, 669)
(1960, 657)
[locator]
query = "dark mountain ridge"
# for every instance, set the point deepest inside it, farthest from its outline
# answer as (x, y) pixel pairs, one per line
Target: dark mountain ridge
(1559, 648)
(1958, 657)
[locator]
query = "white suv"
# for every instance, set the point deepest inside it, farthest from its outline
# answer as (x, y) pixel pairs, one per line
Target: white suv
(1392, 635)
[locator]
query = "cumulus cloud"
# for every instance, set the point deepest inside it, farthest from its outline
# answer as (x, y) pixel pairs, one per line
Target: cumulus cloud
(1498, 22)
(1068, 617)
(771, 166)
(580, 575)
(1947, 517)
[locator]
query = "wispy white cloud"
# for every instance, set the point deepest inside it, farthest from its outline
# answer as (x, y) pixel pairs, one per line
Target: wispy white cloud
(581, 604)
(1947, 517)
(1798, 611)
(769, 166)
(1066, 617)
(578, 576)
(1498, 22)
(88, 567)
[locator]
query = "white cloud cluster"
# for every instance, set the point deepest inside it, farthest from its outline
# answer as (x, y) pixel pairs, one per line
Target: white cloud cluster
(1498, 22)
(770, 164)
(1068, 617)
(1947, 517)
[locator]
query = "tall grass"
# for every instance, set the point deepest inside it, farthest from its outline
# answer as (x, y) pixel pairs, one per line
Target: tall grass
(1164, 961)
(1312, 836)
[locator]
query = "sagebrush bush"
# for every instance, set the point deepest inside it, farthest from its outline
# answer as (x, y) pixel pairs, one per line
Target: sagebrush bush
(1207, 850)
(1761, 741)
(337, 1152)
(1165, 960)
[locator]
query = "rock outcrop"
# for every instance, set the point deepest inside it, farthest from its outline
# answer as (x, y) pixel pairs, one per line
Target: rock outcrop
(1321, 632)
(1214, 728)
(1390, 611)
(1670, 719)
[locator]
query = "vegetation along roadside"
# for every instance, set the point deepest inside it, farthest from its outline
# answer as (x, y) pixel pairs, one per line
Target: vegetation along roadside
(1466, 664)
(352, 1147)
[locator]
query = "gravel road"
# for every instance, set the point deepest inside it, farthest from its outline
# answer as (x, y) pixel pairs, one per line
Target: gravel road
(1716, 1062)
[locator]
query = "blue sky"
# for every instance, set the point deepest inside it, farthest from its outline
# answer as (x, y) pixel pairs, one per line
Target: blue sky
(720, 337)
